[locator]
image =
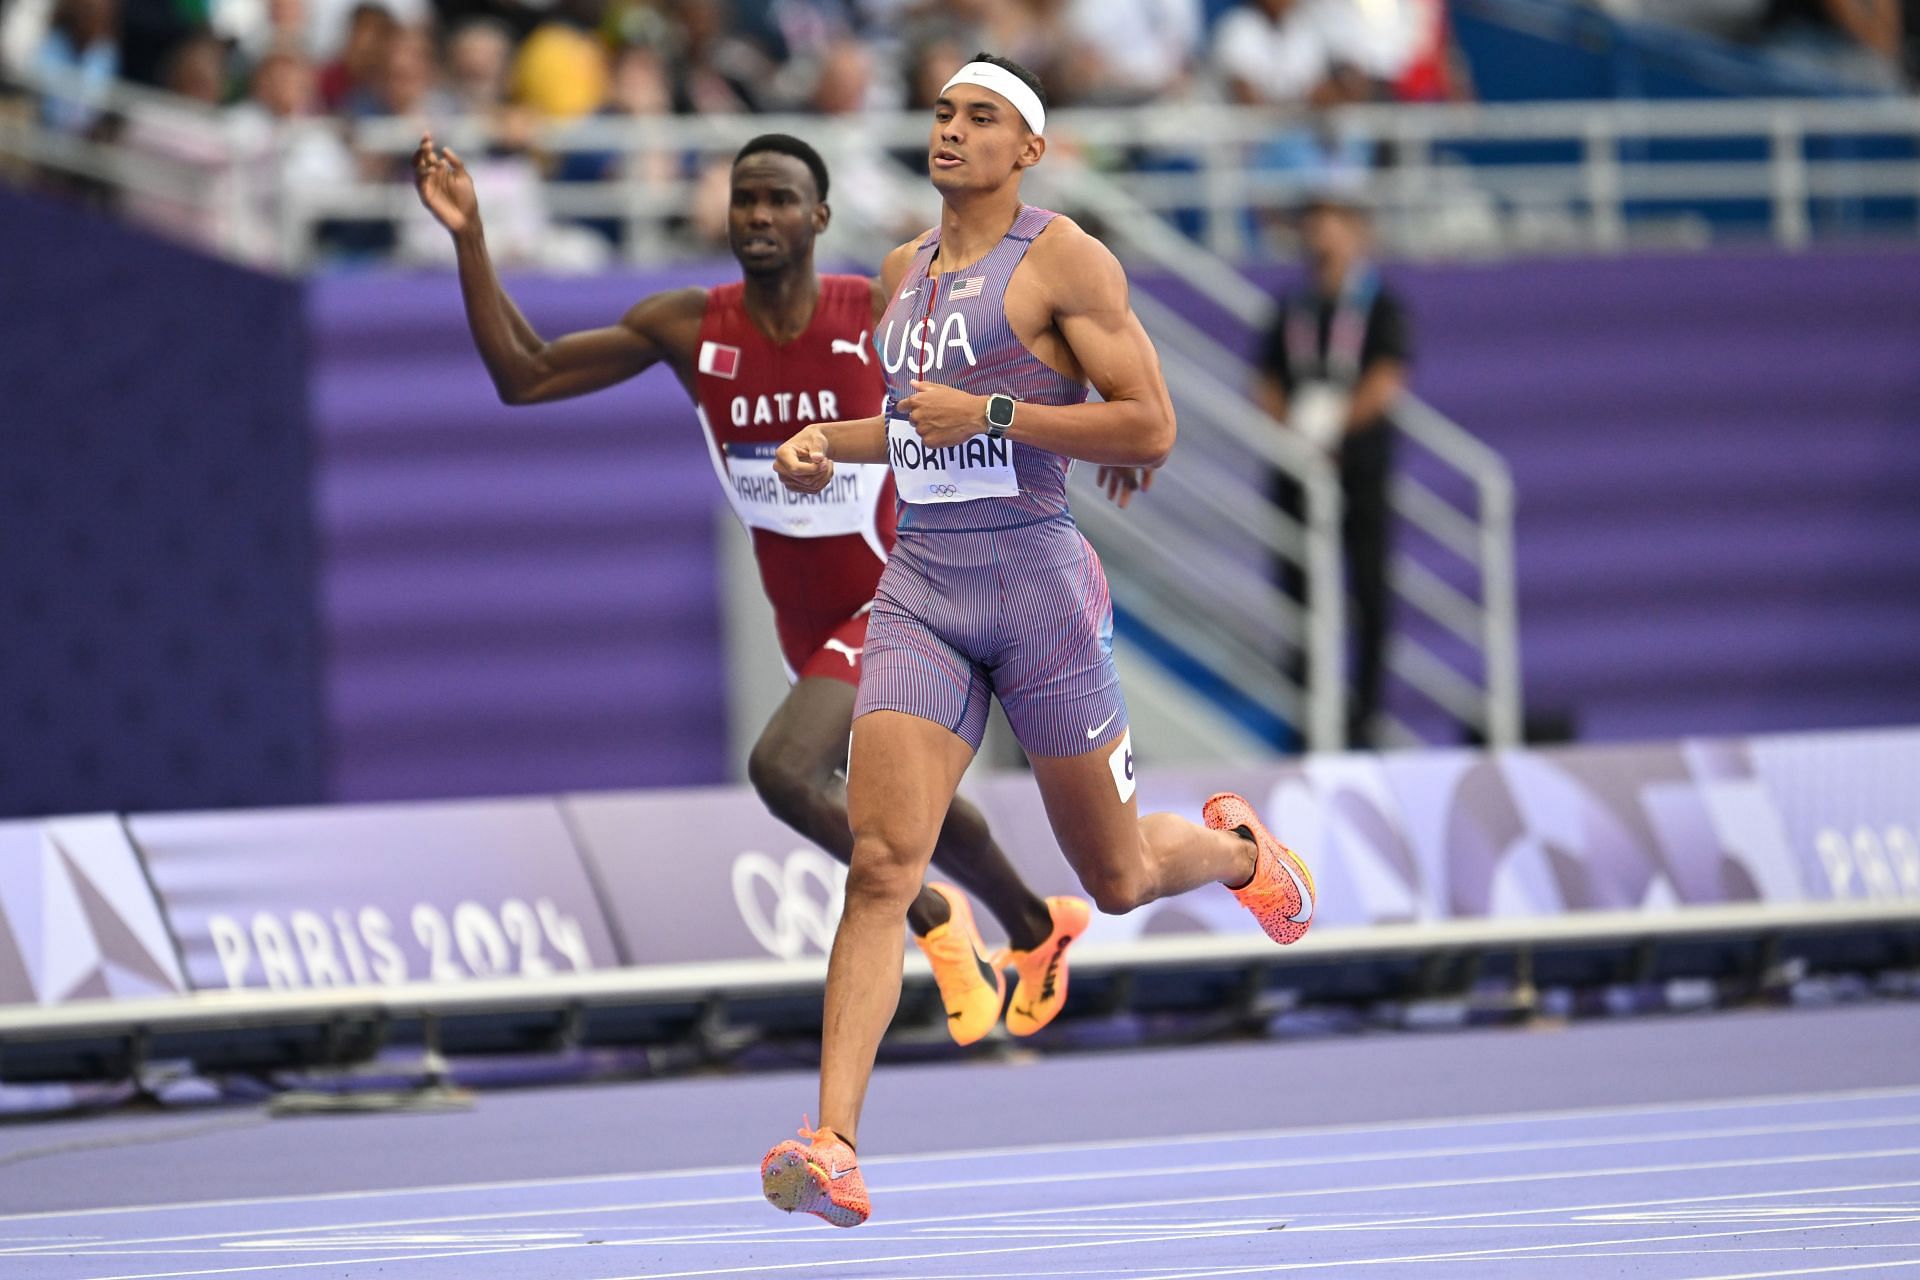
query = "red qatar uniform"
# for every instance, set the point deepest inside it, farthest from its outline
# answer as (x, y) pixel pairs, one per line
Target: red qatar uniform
(820, 555)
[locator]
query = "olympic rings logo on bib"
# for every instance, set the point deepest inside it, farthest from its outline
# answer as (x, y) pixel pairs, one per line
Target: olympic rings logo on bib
(977, 467)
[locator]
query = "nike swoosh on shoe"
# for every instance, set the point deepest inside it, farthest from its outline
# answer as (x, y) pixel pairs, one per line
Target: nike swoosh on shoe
(1300, 887)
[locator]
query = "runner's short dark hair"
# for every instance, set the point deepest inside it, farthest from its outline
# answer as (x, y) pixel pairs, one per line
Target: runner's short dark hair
(786, 144)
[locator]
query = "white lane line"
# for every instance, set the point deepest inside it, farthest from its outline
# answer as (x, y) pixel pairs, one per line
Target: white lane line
(1175, 1273)
(1518, 1253)
(1419, 1220)
(1176, 1171)
(1510, 1252)
(681, 1237)
(997, 1153)
(344, 1263)
(1809, 1247)
(336, 1197)
(1635, 1171)
(1532, 1251)
(757, 1268)
(1913, 1261)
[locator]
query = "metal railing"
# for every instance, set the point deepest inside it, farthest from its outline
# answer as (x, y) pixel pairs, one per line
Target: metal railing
(1181, 188)
(1463, 178)
(1480, 538)
(1238, 452)
(1233, 618)
(1200, 570)
(1454, 177)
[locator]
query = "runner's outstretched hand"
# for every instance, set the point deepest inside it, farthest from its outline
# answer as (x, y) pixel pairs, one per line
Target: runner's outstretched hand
(445, 186)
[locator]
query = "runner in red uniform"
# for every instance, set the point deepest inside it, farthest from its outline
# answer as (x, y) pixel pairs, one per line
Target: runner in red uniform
(782, 349)
(819, 562)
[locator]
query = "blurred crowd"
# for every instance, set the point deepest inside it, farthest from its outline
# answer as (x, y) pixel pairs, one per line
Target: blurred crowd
(267, 64)
(1868, 44)
(288, 81)
(568, 58)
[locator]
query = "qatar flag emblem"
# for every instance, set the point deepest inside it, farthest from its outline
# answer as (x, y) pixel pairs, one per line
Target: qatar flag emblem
(719, 359)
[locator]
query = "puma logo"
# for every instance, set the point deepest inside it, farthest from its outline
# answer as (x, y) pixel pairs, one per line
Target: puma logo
(1053, 970)
(841, 647)
(841, 347)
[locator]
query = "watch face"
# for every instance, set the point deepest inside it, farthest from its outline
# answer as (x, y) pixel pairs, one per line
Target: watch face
(1000, 410)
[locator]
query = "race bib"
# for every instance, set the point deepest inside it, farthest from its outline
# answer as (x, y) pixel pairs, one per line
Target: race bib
(762, 502)
(977, 467)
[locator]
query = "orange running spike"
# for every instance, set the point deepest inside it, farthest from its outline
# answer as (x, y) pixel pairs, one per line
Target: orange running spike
(819, 1175)
(1042, 990)
(972, 988)
(1280, 895)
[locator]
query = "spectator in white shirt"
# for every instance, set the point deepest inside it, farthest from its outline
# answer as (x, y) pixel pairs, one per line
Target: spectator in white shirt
(1126, 52)
(1272, 52)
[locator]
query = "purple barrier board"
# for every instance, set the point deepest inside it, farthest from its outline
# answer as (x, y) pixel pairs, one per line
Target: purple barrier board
(377, 895)
(386, 894)
(77, 920)
(161, 646)
(516, 601)
(1713, 462)
(1453, 834)
(1716, 535)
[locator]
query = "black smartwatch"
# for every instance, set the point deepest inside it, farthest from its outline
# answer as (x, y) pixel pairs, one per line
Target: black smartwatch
(999, 415)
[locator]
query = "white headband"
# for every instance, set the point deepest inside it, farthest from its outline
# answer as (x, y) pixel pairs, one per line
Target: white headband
(1007, 85)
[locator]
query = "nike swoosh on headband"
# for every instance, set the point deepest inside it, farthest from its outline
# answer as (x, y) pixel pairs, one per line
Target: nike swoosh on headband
(1008, 85)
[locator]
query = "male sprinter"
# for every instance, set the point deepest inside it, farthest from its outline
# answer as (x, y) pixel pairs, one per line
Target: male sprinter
(783, 348)
(996, 322)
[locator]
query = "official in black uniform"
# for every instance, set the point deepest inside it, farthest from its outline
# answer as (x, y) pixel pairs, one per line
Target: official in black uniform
(1333, 364)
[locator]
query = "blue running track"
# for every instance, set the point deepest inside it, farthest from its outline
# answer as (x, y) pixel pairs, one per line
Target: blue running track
(1716, 1147)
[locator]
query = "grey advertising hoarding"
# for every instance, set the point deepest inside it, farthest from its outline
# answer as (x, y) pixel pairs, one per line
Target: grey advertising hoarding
(77, 920)
(376, 895)
(1413, 836)
(706, 874)
(385, 894)
(1849, 807)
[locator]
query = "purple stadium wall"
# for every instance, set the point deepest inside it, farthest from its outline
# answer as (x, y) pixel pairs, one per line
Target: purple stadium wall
(516, 600)
(1718, 524)
(1717, 473)
(158, 640)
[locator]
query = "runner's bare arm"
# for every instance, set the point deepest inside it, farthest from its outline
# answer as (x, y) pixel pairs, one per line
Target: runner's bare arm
(525, 368)
(534, 371)
(805, 461)
(1086, 291)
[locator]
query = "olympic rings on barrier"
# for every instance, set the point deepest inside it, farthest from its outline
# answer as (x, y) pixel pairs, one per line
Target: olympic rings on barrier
(807, 893)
